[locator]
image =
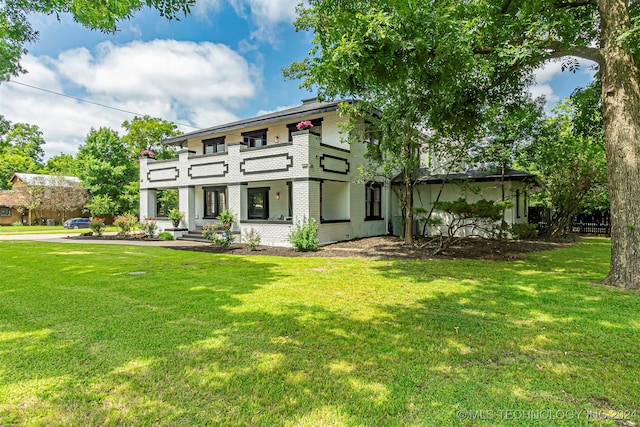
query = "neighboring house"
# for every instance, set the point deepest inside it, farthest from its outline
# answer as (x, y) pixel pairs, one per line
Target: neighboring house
(270, 176)
(472, 185)
(11, 206)
(46, 198)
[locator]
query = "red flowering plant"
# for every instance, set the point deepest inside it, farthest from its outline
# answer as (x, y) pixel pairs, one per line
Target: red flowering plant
(147, 153)
(305, 124)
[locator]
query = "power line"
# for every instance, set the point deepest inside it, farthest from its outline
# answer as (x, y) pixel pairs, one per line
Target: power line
(95, 103)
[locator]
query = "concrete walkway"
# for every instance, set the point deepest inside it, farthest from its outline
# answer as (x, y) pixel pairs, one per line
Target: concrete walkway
(63, 238)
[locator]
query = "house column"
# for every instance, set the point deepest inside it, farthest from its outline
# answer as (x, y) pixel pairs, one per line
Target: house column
(148, 203)
(237, 201)
(187, 205)
(306, 200)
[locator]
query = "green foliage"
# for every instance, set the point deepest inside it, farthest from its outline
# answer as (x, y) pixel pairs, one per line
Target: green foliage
(304, 235)
(524, 231)
(97, 225)
(165, 236)
(62, 164)
(149, 226)
(252, 239)
(100, 205)
(20, 149)
(105, 168)
(221, 233)
(175, 215)
(482, 209)
(126, 223)
(147, 133)
(569, 156)
(167, 201)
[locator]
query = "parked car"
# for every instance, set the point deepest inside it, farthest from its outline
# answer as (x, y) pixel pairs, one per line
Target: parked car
(77, 223)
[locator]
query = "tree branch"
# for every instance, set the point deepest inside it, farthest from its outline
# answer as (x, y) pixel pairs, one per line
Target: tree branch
(558, 50)
(565, 5)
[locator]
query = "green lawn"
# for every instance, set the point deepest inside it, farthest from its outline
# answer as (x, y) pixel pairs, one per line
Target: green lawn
(43, 229)
(204, 339)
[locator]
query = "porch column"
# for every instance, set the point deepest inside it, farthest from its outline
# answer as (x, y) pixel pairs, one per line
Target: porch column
(148, 203)
(306, 200)
(187, 205)
(237, 201)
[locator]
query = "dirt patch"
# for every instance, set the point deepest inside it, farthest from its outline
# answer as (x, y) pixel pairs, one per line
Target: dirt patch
(388, 247)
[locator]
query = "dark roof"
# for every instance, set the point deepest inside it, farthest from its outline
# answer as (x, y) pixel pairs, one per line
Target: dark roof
(475, 175)
(308, 107)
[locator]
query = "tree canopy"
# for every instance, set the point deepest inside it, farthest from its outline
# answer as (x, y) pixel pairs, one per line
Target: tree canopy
(458, 58)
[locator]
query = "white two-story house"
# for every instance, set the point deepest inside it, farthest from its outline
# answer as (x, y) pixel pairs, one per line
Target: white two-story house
(271, 175)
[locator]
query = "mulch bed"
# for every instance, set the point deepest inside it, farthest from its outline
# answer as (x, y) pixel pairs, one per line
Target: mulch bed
(389, 247)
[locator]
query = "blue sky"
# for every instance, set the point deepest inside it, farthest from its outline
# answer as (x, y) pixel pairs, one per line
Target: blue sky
(221, 63)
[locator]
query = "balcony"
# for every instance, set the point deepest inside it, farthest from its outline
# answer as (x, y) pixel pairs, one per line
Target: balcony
(304, 157)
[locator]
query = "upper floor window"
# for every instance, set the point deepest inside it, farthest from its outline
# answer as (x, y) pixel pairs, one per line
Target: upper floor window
(255, 138)
(373, 200)
(213, 145)
(317, 127)
(372, 139)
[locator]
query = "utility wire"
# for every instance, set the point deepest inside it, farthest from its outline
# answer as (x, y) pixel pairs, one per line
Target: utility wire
(94, 103)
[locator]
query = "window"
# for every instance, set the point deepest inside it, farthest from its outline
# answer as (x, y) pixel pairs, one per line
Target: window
(373, 201)
(5, 211)
(215, 201)
(317, 127)
(517, 203)
(255, 138)
(258, 203)
(372, 140)
(213, 145)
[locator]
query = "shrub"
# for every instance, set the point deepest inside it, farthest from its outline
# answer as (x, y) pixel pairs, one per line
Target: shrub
(126, 223)
(165, 236)
(524, 231)
(17, 224)
(220, 233)
(97, 225)
(253, 239)
(304, 235)
(149, 226)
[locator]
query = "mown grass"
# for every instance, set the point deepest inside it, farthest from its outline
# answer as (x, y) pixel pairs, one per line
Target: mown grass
(44, 229)
(204, 339)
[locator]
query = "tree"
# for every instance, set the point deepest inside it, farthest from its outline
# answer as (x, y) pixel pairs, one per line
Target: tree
(105, 167)
(570, 162)
(147, 133)
(20, 150)
(63, 164)
(16, 31)
(464, 56)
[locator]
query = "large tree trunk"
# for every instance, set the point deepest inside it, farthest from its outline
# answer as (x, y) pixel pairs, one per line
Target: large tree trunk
(621, 109)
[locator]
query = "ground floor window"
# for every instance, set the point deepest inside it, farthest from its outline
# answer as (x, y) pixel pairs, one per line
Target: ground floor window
(215, 201)
(165, 201)
(5, 211)
(258, 203)
(373, 200)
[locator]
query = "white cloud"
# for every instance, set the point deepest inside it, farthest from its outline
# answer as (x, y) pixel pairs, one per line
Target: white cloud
(555, 84)
(199, 83)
